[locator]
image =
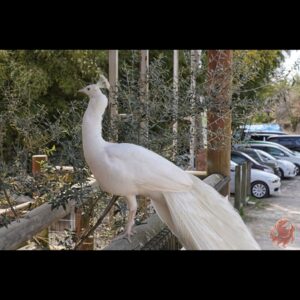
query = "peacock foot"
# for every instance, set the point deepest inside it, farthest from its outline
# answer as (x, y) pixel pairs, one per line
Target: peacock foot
(126, 235)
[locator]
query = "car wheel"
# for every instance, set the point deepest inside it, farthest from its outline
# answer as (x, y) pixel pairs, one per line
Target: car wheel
(259, 189)
(280, 173)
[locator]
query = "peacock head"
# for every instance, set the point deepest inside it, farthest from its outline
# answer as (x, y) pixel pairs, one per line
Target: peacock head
(91, 90)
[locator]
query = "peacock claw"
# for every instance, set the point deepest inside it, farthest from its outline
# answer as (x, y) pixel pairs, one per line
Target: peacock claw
(126, 235)
(141, 223)
(128, 239)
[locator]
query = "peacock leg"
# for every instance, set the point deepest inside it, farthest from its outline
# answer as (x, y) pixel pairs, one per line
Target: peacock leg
(129, 231)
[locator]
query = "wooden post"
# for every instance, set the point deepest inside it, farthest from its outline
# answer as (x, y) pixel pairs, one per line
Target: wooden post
(82, 223)
(193, 127)
(43, 236)
(144, 130)
(175, 102)
(36, 163)
(144, 89)
(113, 75)
(248, 180)
(219, 114)
(244, 183)
(237, 183)
(201, 151)
(31, 224)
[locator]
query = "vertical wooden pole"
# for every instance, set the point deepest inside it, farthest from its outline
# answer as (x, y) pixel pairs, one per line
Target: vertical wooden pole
(82, 223)
(244, 183)
(201, 155)
(73, 219)
(113, 75)
(36, 163)
(175, 102)
(144, 89)
(113, 72)
(144, 93)
(43, 236)
(237, 183)
(219, 114)
(248, 180)
(193, 128)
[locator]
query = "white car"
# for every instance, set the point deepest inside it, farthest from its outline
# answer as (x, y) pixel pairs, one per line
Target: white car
(263, 184)
(286, 168)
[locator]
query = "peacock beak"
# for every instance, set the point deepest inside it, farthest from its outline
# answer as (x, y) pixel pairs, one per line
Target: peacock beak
(81, 91)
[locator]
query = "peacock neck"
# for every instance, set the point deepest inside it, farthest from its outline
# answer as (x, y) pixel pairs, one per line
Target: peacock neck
(92, 121)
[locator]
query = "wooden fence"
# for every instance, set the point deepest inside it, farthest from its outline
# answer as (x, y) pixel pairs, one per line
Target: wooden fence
(154, 234)
(242, 185)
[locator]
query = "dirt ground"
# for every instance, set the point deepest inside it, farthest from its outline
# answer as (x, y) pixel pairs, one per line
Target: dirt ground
(262, 216)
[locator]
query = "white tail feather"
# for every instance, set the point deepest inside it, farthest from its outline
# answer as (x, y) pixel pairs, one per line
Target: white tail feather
(203, 219)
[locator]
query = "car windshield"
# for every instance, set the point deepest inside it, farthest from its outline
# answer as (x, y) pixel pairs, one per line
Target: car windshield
(286, 150)
(245, 157)
(282, 148)
(265, 156)
(252, 154)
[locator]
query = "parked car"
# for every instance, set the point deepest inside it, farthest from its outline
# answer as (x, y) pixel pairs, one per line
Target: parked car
(290, 141)
(262, 135)
(286, 168)
(276, 150)
(256, 133)
(258, 157)
(263, 127)
(240, 157)
(263, 184)
(270, 132)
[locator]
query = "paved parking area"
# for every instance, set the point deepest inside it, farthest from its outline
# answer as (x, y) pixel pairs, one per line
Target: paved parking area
(262, 216)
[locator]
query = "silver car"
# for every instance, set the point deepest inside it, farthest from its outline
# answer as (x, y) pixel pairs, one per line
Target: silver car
(276, 150)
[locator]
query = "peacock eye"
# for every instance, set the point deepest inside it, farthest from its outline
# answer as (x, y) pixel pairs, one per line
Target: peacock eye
(88, 89)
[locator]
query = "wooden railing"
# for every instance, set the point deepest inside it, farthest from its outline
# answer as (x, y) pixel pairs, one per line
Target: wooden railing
(242, 185)
(154, 234)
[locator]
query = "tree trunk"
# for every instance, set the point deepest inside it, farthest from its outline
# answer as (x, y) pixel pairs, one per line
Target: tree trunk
(219, 114)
